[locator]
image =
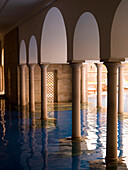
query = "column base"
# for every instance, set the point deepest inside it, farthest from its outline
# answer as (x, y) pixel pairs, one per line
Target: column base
(99, 107)
(32, 110)
(120, 113)
(84, 102)
(74, 139)
(48, 119)
(73, 147)
(48, 122)
(24, 108)
(101, 164)
(111, 160)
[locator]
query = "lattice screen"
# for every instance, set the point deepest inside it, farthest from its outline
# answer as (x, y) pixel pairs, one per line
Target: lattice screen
(50, 86)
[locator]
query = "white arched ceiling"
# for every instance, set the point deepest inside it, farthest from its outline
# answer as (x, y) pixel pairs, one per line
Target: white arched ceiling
(86, 38)
(33, 57)
(23, 56)
(119, 33)
(54, 40)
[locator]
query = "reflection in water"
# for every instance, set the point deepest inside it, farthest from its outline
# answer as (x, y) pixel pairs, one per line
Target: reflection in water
(34, 144)
(76, 152)
(44, 144)
(2, 110)
(24, 138)
(120, 134)
(101, 130)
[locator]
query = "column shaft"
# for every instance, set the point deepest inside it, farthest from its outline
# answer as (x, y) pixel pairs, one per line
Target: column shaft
(22, 85)
(99, 85)
(76, 128)
(84, 83)
(120, 90)
(31, 88)
(111, 146)
(1, 78)
(43, 91)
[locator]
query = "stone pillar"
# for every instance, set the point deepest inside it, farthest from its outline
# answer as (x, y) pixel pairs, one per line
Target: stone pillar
(120, 90)
(43, 91)
(1, 78)
(76, 126)
(31, 88)
(84, 83)
(22, 85)
(111, 145)
(99, 84)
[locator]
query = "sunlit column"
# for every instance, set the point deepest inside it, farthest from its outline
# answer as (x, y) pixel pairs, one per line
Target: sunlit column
(99, 84)
(22, 85)
(43, 91)
(120, 89)
(76, 127)
(1, 79)
(111, 146)
(83, 83)
(31, 88)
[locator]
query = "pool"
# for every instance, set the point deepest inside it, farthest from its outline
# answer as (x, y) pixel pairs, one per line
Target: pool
(26, 142)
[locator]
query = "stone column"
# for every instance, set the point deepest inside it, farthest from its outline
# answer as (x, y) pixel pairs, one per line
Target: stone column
(111, 146)
(99, 84)
(1, 78)
(22, 85)
(120, 89)
(43, 91)
(84, 83)
(31, 88)
(76, 127)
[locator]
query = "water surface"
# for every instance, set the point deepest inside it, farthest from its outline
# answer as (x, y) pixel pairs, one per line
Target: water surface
(27, 143)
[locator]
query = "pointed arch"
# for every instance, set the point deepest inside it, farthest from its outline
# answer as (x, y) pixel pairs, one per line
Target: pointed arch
(23, 56)
(119, 32)
(33, 56)
(86, 38)
(54, 39)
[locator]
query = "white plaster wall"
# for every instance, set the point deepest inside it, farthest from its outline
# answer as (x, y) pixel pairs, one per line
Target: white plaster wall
(119, 33)
(33, 57)
(22, 58)
(54, 40)
(86, 38)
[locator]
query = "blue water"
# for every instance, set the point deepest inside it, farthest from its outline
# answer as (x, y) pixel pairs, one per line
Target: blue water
(28, 143)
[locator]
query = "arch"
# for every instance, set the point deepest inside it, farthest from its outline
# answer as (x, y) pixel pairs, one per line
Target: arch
(23, 56)
(119, 32)
(86, 38)
(54, 40)
(33, 57)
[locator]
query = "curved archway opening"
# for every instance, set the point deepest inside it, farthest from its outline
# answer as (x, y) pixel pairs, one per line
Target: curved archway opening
(86, 38)
(33, 57)
(54, 40)
(23, 56)
(119, 32)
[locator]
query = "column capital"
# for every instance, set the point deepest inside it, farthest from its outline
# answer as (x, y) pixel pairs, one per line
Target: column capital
(112, 66)
(121, 65)
(22, 66)
(83, 65)
(76, 65)
(44, 65)
(31, 65)
(98, 65)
